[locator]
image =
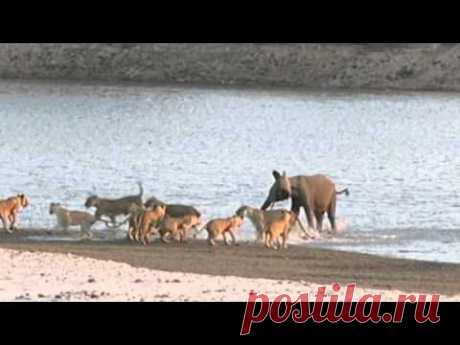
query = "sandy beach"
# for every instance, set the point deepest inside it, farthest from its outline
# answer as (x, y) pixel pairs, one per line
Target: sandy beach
(122, 271)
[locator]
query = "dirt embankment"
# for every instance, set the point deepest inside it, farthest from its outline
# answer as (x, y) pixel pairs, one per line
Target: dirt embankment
(319, 66)
(297, 264)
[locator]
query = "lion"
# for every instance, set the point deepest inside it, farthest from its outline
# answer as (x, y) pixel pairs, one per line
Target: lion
(10, 209)
(114, 207)
(279, 226)
(135, 216)
(259, 219)
(178, 226)
(67, 218)
(148, 219)
(222, 226)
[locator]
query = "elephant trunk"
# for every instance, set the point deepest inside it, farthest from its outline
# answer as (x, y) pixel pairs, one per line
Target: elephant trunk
(266, 204)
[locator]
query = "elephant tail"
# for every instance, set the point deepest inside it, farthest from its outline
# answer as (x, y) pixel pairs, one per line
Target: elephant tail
(346, 191)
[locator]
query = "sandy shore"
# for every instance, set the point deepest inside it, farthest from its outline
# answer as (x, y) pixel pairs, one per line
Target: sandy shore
(121, 271)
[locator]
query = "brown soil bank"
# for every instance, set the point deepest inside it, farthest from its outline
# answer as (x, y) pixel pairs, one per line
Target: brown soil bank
(319, 66)
(253, 261)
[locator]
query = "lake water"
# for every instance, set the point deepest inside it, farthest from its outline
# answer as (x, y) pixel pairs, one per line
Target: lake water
(215, 148)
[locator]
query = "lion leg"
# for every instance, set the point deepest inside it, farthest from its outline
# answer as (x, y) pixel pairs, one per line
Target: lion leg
(83, 232)
(12, 219)
(211, 240)
(137, 234)
(285, 235)
(145, 238)
(183, 236)
(113, 220)
(260, 234)
(268, 237)
(275, 244)
(232, 235)
(89, 233)
(5, 224)
(164, 236)
(130, 234)
(225, 238)
(87, 230)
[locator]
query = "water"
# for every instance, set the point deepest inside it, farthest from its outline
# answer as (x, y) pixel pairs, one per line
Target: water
(216, 148)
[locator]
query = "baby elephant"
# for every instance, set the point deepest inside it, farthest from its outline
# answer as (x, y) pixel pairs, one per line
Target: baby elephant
(222, 226)
(67, 218)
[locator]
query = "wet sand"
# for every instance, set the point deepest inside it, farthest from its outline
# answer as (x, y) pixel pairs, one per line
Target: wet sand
(249, 260)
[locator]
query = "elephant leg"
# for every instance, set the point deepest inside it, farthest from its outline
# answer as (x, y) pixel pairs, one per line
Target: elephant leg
(295, 207)
(304, 202)
(319, 220)
(331, 215)
(309, 215)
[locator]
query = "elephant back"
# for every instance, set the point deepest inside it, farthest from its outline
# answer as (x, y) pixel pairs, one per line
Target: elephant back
(321, 191)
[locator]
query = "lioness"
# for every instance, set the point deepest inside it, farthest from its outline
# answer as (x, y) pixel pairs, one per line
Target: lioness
(222, 226)
(135, 216)
(9, 210)
(174, 210)
(114, 207)
(66, 218)
(259, 218)
(277, 227)
(148, 219)
(178, 226)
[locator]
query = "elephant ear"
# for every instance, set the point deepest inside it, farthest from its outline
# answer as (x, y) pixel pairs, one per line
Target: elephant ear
(276, 175)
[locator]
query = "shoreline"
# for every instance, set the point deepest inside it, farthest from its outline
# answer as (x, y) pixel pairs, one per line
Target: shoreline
(44, 277)
(296, 265)
(255, 87)
(318, 65)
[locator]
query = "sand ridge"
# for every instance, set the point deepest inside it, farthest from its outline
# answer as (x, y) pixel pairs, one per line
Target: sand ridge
(41, 276)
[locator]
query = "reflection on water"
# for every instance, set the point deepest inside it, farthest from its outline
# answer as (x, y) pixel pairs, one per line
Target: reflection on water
(216, 148)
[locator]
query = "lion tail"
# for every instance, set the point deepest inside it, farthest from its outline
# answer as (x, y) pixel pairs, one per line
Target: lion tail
(141, 189)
